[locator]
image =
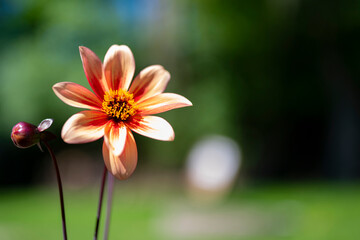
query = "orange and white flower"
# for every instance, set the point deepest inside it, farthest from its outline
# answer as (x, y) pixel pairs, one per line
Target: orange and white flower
(116, 108)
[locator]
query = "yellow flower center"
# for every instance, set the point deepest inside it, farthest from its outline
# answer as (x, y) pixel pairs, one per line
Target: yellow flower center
(119, 104)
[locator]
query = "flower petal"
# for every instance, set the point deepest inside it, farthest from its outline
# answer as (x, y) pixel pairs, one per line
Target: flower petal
(119, 67)
(123, 165)
(83, 127)
(115, 137)
(94, 71)
(152, 127)
(149, 82)
(162, 103)
(45, 124)
(76, 95)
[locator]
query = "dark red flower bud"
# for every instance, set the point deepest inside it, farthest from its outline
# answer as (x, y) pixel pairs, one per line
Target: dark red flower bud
(25, 134)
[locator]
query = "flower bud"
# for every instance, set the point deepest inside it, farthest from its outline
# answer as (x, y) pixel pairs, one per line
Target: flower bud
(25, 135)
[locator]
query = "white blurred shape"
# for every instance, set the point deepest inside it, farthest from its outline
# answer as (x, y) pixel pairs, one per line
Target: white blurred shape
(213, 164)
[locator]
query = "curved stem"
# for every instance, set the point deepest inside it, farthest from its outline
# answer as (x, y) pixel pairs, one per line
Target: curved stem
(109, 205)
(58, 178)
(100, 203)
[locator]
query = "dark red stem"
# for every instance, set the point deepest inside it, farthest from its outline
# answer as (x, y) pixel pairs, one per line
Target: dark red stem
(58, 178)
(100, 202)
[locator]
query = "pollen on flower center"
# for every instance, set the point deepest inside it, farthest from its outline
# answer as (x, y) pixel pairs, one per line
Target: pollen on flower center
(119, 104)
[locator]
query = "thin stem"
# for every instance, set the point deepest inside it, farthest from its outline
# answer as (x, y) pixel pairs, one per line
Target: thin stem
(109, 205)
(58, 178)
(100, 203)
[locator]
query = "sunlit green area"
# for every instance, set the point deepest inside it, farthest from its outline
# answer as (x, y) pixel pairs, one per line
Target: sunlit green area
(291, 211)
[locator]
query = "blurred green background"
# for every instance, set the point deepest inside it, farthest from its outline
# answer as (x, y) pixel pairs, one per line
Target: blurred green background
(280, 77)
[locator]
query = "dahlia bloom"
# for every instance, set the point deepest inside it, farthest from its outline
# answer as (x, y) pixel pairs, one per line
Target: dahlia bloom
(116, 108)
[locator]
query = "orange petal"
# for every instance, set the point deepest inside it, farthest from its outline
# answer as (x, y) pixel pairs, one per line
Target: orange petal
(76, 95)
(162, 103)
(115, 137)
(149, 82)
(83, 127)
(119, 67)
(123, 165)
(93, 70)
(152, 127)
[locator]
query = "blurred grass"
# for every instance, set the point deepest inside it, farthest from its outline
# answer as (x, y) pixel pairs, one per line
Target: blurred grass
(304, 211)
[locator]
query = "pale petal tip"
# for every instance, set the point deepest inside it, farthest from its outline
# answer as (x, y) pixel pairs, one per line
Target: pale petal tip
(65, 136)
(82, 48)
(123, 46)
(84, 51)
(56, 85)
(156, 66)
(172, 138)
(116, 47)
(56, 88)
(121, 176)
(185, 102)
(189, 104)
